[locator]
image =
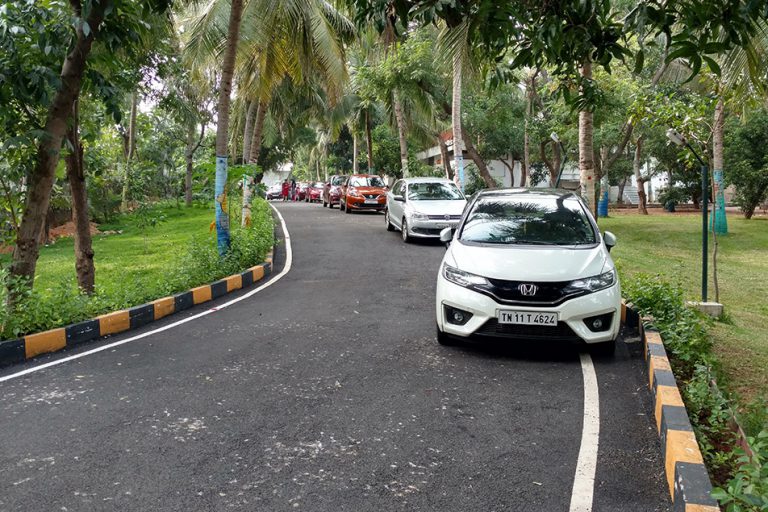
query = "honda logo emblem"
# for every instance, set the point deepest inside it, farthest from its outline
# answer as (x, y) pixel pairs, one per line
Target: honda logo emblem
(527, 289)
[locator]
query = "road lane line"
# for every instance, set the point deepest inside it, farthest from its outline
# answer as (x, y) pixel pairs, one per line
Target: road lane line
(286, 269)
(584, 481)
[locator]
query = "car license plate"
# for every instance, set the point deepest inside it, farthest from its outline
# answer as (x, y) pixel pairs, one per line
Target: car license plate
(442, 226)
(371, 201)
(527, 318)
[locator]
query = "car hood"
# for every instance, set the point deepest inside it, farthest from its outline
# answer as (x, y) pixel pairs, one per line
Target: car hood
(438, 207)
(529, 263)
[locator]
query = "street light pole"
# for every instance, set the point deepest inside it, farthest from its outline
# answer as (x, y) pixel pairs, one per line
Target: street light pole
(679, 140)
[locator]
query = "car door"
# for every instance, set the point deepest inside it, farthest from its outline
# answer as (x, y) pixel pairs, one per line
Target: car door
(396, 213)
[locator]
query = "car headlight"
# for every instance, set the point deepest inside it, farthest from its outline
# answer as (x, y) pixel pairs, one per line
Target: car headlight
(354, 193)
(592, 284)
(419, 216)
(462, 278)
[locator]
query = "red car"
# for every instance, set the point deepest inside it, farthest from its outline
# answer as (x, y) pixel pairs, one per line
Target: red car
(301, 191)
(315, 192)
(332, 190)
(364, 192)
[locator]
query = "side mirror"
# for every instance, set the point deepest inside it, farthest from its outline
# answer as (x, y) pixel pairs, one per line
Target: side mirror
(609, 239)
(446, 235)
(399, 199)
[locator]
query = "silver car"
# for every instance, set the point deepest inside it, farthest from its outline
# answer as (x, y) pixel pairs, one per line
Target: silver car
(422, 207)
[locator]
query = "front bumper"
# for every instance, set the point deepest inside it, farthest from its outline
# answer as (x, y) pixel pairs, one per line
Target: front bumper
(429, 228)
(571, 314)
(360, 203)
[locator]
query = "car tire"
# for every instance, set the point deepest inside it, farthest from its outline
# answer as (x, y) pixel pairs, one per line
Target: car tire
(390, 227)
(442, 338)
(404, 231)
(347, 209)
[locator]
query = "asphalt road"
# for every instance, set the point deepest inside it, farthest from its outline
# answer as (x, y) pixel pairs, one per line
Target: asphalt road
(325, 392)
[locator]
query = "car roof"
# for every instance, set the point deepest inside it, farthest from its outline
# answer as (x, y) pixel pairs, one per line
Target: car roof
(427, 179)
(540, 192)
(358, 175)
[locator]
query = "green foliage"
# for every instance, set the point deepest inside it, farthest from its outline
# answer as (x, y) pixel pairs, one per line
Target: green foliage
(747, 491)
(747, 161)
(59, 302)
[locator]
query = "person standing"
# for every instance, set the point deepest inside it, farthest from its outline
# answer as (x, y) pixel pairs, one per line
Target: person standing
(286, 190)
(293, 189)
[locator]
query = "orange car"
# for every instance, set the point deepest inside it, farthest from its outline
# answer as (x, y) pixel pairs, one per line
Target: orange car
(363, 192)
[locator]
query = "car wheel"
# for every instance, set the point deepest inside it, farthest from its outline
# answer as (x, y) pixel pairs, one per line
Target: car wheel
(404, 231)
(347, 208)
(443, 338)
(390, 227)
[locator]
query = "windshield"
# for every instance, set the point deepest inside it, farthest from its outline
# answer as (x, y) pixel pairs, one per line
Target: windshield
(366, 181)
(318, 184)
(433, 192)
(338, 180)
(529, 220)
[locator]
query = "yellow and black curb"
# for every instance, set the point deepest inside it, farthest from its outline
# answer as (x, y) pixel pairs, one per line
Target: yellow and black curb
(27, 347)
(687, 477)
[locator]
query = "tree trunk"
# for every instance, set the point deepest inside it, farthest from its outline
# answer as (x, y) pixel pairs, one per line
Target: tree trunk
(642, 199)
(479, 162)
(398, 107)
(222, 129)
(40, 180)
(131, 150)
(719, 221)
(189, 156)
(445, 157)
(368, 141)
(458, 152)
(248, 133)
(86, 273)
(552, 165)
(354, 153)
(530, 87)
(586, 149)
(258, 129)
(622, 186)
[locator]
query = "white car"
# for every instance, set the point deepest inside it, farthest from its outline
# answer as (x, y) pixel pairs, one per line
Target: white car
(530, 265)
(423, 207)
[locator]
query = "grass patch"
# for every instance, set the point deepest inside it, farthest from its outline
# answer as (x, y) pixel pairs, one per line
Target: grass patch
(670, 245)
(136, 265)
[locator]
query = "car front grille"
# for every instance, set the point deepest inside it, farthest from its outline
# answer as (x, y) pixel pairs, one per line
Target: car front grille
(560, 332)
(444, 217)
(426, 231)
(511, 292)
(371, 196)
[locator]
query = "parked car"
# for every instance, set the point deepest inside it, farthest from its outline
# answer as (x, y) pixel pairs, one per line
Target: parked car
(528, 264)
(315, 192)
(363, 192)
(275, 191)
(301, 190)
(423, 207)
(332, 190)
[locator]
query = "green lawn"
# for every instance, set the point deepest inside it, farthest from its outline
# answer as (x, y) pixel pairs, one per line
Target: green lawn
(670, 244)
(121, 258)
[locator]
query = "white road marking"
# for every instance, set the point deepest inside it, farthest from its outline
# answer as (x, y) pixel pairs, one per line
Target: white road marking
(584, 481)
(286, 269)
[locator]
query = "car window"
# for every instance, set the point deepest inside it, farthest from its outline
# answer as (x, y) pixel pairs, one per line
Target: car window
(338, 180)
(528, 220)
(318, 184)
(397, 190)
(366, 181)
(434, 192)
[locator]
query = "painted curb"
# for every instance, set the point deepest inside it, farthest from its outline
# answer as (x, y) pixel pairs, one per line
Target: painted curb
(32, 345)
(687, 478)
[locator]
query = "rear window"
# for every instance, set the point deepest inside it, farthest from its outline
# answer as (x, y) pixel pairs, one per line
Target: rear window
(528, 220)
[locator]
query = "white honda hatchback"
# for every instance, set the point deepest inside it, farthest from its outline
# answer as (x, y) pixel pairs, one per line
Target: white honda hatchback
(528, 264)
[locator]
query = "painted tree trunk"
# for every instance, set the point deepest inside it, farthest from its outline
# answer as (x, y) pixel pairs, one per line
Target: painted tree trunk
(245, 219)
(458, 149)
(189, 160)
(84, 268)
(222, 129)
(445, 157)
(40, 179)
(398, 107)
(636, 163)
(368, 141)
(248, 132)
(586, 149)
(131, 150)
(719, 221)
